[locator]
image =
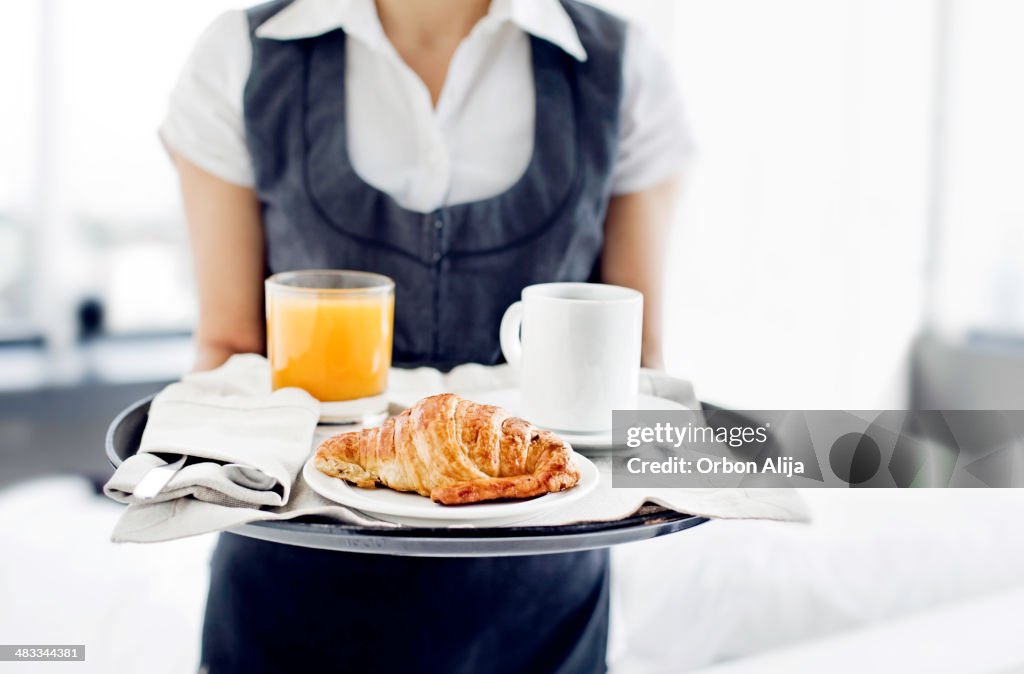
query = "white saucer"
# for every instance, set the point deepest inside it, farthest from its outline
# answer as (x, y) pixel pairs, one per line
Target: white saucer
(369, 411)
(601, 440)
(416, 510)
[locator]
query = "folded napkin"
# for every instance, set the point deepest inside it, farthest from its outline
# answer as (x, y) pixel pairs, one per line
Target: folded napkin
(189, 514)
(245, 443)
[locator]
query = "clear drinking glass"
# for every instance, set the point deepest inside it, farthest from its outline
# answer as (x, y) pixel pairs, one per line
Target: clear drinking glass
(330, 332)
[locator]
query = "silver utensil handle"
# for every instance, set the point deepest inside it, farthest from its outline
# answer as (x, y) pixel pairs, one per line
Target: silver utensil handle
(153, 482)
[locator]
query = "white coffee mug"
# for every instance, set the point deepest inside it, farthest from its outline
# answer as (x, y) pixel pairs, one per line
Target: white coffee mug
(577, 346)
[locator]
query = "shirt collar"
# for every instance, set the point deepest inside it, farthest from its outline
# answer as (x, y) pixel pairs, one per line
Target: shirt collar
(545, 19)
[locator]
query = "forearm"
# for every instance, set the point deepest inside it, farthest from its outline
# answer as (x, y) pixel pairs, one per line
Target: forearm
(226, 234)
(636, 231)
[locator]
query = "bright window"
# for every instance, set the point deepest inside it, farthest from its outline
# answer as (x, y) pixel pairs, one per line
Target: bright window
(88, 201)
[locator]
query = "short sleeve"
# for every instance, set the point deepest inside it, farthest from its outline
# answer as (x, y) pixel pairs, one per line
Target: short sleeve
(204, 121)
(655, 142)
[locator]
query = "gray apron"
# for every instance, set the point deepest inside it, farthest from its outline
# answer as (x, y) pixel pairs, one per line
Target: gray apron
(456, 269)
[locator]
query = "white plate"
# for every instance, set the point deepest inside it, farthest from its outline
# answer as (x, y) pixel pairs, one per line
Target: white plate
(409, 508)
(602, 440)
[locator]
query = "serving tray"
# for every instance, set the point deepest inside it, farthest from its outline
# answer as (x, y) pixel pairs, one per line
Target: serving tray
(651, 521)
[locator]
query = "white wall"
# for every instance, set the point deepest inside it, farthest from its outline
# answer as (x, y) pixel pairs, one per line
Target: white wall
(980, 255)
(797, 269)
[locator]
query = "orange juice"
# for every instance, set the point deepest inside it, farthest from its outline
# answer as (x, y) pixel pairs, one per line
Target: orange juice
(335, 347)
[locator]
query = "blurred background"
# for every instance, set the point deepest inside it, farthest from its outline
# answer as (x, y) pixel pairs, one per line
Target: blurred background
(851, 237)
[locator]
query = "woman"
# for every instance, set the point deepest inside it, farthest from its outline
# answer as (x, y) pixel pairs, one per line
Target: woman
(467, 149)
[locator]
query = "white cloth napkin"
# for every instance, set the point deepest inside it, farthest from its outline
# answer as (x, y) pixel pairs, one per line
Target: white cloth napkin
(246, 443)
(189, 515)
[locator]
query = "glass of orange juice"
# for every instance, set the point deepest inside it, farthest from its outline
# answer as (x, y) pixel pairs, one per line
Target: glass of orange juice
(330, 332)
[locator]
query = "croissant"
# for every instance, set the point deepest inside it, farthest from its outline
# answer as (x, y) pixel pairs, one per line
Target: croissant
(454, 451)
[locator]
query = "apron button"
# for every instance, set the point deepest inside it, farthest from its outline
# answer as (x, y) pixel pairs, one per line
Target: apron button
(437, 256)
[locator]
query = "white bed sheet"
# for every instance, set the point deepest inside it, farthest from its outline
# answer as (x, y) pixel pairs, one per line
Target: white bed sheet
(723, 590)
(974, 636)
(729, 589)
(137, 608)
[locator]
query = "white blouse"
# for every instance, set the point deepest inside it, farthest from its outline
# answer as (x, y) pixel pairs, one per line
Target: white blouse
(474, 144)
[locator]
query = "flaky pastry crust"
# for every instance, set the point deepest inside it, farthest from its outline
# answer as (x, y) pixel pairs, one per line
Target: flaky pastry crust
(454, 451)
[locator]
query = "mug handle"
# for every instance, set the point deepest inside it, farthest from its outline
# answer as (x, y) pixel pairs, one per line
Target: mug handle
(508, 334)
